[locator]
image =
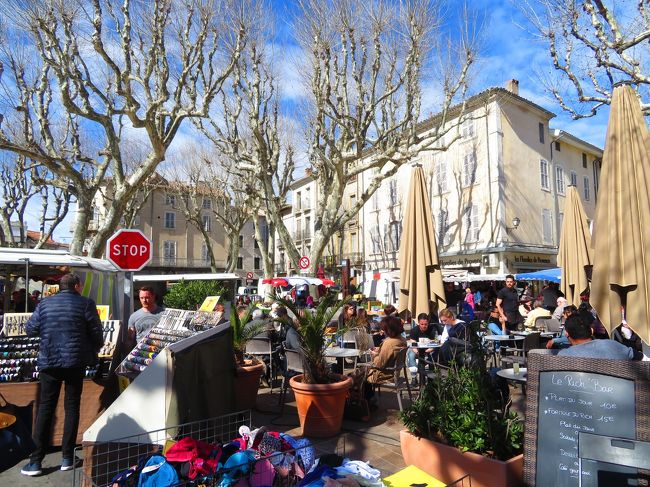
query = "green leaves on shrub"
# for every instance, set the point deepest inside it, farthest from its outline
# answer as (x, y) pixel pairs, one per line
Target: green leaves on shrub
(467, 410)
(190, 294)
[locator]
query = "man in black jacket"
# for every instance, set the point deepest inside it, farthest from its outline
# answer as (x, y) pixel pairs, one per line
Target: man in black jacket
(70, 336)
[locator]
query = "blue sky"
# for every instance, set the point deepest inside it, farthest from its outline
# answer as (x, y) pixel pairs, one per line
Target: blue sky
(508, 51)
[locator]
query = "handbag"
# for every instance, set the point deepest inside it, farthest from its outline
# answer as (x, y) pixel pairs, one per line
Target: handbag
(15, 436)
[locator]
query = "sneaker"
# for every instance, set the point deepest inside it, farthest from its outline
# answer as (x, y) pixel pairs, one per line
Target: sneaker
(32, 469)
(70, 463)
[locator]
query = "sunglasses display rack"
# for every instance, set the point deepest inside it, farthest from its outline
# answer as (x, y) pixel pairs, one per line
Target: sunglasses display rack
(18, 359)
(148, 349)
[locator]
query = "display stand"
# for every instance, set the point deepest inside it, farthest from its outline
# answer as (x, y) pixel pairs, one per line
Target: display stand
(189, 380)
(19, 374)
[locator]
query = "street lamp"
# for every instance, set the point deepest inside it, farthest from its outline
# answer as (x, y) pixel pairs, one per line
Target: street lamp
(515, 224)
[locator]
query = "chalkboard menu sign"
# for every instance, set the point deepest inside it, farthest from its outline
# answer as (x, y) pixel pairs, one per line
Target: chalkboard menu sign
(569, 395)
(571, 402)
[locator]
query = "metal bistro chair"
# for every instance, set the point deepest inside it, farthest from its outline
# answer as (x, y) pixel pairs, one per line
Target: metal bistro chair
(349, 340)
(294, 367)
(400, 376)
(550, 324)
(261, 346)
(520, 355)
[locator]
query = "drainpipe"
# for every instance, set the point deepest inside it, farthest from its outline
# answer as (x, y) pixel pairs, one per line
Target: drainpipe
(556, 207)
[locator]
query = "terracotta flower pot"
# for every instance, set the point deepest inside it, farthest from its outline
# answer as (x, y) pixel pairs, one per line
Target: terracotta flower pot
(448, 464)
(247, 383)
(320, 406)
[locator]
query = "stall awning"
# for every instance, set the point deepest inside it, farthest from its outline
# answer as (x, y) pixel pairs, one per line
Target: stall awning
(220, 276)
(59, 258)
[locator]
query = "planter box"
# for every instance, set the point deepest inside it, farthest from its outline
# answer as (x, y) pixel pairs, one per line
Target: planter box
(320, 406)
(448, 464)
(247, 382)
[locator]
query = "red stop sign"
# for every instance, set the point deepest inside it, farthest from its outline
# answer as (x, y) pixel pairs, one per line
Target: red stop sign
(129, 250)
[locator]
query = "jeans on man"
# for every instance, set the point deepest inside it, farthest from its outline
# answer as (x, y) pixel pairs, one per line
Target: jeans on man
(50, 385)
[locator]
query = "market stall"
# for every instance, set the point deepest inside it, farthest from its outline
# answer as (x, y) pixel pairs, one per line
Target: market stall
(19, 374)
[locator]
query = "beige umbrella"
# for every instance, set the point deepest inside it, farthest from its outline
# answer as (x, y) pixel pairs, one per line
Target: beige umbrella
(622, 226)
(576, 255)
(420, 274)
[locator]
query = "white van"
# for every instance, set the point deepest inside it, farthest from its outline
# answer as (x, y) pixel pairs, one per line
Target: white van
(246, 290)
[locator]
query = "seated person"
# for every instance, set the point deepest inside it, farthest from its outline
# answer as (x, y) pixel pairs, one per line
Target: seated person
(539, 311)
(495, 323)
(563, 340)
(422, 330)
(347, 316)
(583, 344)
(386, 354)
(559, 310)
(587, 313)
(625, 335)
(456, 342)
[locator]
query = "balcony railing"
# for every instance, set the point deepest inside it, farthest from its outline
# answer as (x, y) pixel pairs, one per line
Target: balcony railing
(355, 258)
(178, 262)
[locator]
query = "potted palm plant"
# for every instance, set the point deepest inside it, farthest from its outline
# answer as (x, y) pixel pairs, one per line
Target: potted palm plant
(247, 372)
(462, 424)
(320, 394)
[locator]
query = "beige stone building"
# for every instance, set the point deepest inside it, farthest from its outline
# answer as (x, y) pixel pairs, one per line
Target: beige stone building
(497, 194)
(178, 246)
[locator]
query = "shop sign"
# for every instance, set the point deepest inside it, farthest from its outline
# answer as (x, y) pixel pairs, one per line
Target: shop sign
(461, 261)
(532, 259)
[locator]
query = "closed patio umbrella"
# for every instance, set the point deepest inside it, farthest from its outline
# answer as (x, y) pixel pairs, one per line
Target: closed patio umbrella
(576, 255)
(420, 274)
(622, 225)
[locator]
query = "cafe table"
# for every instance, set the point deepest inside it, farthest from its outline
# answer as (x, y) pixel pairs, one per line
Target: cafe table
(519, 376)
(340, 354)
(510, 374)
(422, 346)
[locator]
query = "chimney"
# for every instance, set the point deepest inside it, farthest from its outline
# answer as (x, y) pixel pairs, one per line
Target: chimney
(513, 86)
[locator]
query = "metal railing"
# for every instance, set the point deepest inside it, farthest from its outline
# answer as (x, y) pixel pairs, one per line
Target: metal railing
(184, 262)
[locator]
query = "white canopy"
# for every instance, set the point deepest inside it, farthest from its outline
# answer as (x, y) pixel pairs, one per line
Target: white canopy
(21, 257)
(223, 276)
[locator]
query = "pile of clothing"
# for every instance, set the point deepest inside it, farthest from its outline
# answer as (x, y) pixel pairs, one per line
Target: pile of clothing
(257, 458)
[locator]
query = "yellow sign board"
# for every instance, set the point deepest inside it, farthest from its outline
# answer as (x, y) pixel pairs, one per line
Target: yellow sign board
(209, 303)
(103, 310)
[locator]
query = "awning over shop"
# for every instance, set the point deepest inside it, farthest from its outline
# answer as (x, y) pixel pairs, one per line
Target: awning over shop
(543, 275)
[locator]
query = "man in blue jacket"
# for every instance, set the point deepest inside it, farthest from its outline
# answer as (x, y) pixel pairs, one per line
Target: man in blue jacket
(70, 336)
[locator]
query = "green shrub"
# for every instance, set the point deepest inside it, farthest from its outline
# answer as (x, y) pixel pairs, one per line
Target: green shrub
(466, 410)
(190, 294)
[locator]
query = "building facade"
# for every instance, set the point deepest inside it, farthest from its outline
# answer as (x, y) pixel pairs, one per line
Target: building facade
(178, 245)
(497, 193)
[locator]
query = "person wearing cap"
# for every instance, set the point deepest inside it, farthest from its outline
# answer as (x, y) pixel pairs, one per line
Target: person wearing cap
(558, 313)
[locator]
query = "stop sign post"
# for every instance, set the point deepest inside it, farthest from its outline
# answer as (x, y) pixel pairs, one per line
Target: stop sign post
(128, 250)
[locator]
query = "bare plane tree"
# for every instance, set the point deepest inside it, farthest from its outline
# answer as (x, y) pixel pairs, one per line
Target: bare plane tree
(253, 139)
(79, 76)
(594, 44)
(363, 71)
(17, 191)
